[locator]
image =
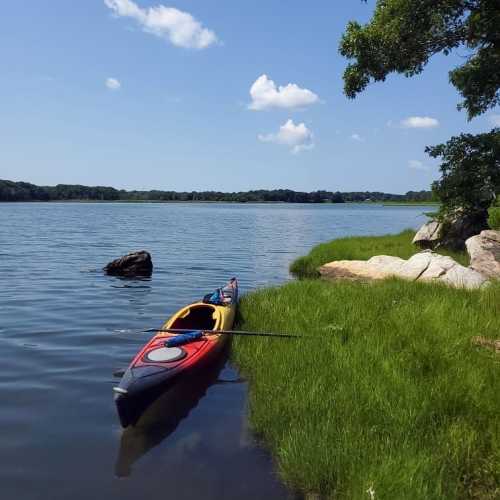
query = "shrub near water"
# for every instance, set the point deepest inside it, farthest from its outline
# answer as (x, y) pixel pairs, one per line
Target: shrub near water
(362, 248)
(389, 395)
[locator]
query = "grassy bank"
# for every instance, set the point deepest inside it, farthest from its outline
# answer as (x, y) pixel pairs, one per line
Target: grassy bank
(362, 248)
(389, 395)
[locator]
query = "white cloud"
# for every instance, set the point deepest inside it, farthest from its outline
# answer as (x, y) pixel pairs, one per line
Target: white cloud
(297, 137)
(357, 137)
(178, 27)
(113, 84)
(266, 95)
(417, 165)
(419, 122)
(495, 120)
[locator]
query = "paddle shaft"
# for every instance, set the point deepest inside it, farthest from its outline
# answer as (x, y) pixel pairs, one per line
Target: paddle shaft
(224, 332)
(119, 373)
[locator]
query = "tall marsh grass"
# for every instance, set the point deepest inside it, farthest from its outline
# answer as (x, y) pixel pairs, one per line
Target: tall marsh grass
(389, 395)
(362, 248)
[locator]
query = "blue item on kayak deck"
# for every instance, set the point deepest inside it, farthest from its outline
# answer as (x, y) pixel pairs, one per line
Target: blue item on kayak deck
(215, 298)
(184, 338)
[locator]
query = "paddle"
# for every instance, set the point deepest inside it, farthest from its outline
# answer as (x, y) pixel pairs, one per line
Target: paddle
(119, 373)
(223, 332)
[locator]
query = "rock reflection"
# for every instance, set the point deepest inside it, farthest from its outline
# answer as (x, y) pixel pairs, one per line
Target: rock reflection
(127, 282)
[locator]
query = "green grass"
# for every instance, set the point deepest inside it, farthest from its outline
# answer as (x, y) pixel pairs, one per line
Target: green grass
(494, 218)
(389, 394)
(362, 248)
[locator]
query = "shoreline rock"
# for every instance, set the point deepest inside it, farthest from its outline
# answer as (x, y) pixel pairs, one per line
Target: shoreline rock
(428, 235)
(130, 265)
(426, 266)
(484, 251)
(451, 233)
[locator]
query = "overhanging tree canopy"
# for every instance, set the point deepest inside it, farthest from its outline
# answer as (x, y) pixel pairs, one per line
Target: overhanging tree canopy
(400, 38)
(470, 171)
(404, 34)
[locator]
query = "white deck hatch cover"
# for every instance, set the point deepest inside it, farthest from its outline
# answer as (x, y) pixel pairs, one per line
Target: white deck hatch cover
(164, 354)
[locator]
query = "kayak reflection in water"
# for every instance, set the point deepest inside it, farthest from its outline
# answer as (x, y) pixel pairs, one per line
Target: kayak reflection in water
(161, 418)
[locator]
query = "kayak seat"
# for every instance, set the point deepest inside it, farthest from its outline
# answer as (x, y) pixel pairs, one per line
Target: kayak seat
(201, 317)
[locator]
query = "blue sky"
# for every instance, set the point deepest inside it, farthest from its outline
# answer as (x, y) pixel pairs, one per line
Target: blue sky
(112, 92)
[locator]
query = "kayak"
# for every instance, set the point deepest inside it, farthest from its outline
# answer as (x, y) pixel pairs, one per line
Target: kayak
(170, 357)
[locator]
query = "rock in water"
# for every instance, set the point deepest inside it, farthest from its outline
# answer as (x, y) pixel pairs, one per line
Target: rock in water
(484, 251)
(428, 235)
(132, 264)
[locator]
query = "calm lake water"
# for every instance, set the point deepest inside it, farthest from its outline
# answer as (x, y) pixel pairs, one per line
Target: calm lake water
(59, 316)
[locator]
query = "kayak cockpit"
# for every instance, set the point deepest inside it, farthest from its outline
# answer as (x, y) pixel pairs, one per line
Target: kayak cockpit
(196, 317)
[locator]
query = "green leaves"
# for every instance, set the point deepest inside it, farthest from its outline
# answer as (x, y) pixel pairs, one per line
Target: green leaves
(478, 81)
(404, 34)
(470, 171)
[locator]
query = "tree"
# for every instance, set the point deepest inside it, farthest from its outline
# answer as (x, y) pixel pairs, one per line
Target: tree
(401, 37)
(404, 34)
(470, 171)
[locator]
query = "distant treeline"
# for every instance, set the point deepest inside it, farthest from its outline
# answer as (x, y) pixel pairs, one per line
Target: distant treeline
(24, 191)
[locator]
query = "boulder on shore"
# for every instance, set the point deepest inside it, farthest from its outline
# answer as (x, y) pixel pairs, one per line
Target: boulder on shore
(484, 251)
(424, 266)
(452, 232)
(132, 264)
(428, 235)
